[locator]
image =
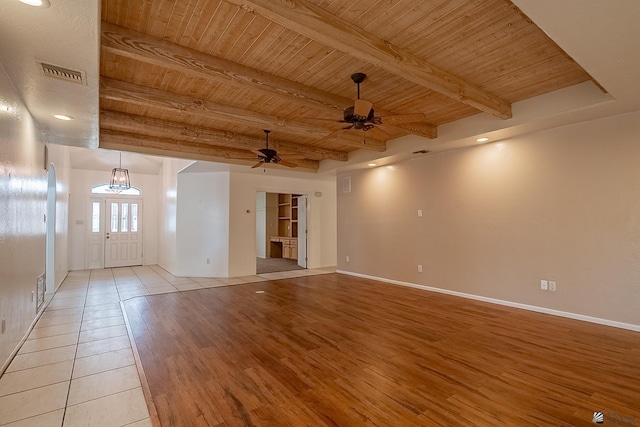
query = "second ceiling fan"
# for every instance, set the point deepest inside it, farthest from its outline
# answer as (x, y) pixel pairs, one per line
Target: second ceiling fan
(269, 155)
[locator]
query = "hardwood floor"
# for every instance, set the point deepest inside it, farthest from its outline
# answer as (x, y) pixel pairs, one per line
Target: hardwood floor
(334, 350)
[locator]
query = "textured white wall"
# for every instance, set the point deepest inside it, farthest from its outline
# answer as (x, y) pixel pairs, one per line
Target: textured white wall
(167, 257)
(321, 220)
(562, 205)
(261, 224)
(202, 233)
(23, 195)
(212, 222)
(59, 157)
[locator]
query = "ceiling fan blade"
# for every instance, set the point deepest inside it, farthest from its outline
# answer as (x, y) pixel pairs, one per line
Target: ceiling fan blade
(257, 165)
(379, 133)
(248, 157)
(402, 118)
(287, 164)
(361, 108)
(323, 119)
(334, 133)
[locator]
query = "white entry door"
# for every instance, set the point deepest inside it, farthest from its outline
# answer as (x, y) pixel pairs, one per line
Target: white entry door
(123, 234)
(302, 231)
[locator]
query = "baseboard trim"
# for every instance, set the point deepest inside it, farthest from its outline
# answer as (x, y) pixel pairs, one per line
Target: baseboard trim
(15, 351)
(535, 308)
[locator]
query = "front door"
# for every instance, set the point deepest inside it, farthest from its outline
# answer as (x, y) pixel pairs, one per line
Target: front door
(123, 236)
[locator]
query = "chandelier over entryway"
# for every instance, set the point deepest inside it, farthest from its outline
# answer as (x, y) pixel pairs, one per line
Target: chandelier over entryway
(119, 178)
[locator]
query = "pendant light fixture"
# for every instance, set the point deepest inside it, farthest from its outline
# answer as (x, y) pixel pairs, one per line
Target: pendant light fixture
(119, 179)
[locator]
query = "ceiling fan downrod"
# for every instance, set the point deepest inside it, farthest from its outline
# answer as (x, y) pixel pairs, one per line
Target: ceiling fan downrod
(266, 132)
(357, 79)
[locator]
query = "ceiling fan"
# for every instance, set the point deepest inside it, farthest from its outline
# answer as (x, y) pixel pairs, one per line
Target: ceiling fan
(361, 115)
(268, 155)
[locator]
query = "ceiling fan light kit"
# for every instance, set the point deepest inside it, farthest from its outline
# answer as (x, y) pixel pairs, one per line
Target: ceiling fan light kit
(362, 109)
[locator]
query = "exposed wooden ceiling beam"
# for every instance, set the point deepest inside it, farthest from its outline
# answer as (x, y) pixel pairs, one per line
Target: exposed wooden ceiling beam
(314, 22)
(164, 101)
(115, 140)
(124, 122)
(141, 47)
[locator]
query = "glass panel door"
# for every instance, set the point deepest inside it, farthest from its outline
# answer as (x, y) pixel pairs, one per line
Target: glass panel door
(123, 242)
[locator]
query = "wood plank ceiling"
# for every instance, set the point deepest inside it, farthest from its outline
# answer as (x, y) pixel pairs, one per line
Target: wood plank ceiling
(201, 79)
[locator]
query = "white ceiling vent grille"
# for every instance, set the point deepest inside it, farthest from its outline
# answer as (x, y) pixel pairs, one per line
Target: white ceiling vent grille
(63, 73)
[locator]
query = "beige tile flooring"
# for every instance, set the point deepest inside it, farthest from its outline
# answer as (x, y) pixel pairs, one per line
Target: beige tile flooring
(77, 366)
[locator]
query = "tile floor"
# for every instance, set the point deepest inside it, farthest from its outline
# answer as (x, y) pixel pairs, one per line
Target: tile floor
(77, 366)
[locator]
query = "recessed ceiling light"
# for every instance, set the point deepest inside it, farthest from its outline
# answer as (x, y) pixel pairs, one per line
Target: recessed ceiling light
(372, 165)
(62, 117)
(36, 3)
(482, 139)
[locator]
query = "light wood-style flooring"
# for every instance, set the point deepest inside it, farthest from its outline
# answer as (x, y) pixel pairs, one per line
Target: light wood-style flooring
(334, 350)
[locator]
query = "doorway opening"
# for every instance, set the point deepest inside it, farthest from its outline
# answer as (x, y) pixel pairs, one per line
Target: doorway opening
(50, 261)
(281, 232)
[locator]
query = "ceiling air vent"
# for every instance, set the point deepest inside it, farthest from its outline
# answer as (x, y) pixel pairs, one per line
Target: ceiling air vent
(63, 73)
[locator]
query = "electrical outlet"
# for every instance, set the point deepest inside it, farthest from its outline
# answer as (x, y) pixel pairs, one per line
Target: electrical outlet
(419, 268)
(544, 285)
(347, 258)
(552, 285)
(419, 213)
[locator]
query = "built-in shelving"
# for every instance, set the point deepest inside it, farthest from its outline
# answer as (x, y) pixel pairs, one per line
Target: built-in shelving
(285, 244)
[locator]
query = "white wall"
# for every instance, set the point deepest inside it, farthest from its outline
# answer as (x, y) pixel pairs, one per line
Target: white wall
(167, 213)
(215, 218)
(242, 219)
(23, 195)
(59, 157)
(202, 232)
(80, 193)
(261, 224)
(168, 206)
(561, 204)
